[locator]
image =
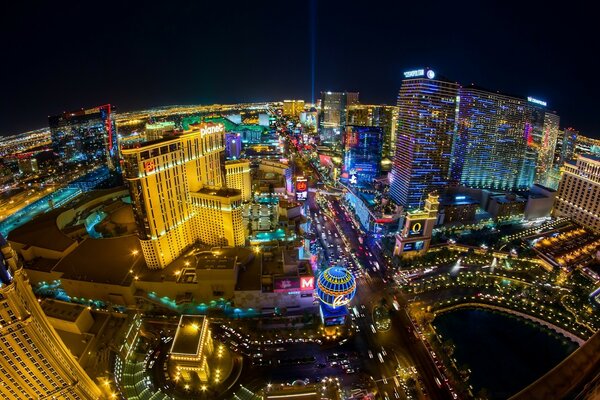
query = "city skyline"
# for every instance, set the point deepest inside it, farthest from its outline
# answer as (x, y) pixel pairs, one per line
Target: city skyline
(125, 61)
(318, 200)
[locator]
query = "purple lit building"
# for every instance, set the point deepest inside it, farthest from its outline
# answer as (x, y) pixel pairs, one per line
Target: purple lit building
(233, 145)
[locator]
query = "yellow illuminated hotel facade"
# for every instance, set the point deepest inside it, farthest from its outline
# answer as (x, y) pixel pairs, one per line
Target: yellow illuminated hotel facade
(164, 176)
(34, 362)
(237, 174)
(220, 216)
(578, 195)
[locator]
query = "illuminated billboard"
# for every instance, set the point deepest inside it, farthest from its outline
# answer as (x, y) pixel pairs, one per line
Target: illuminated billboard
(333, 316)
(301, 188)
(307, 283)
(413, 246)
(286, 283)
(362, 154)
(293, 283)
(416, 228)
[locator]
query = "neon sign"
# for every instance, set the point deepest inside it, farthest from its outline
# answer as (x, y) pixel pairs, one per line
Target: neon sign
(341, 300)
(307, 282)
(416, 228)
(414, 73)
(208, 129)
(536, 101)
(420, 72)
(301, 188)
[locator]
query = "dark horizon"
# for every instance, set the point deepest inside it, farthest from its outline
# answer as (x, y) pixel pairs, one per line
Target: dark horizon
(74, 55)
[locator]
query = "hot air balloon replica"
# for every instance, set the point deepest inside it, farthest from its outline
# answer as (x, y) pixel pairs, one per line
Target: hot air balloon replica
(336, 287)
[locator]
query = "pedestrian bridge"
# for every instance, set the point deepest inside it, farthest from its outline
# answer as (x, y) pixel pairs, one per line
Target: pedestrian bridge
(321, 191)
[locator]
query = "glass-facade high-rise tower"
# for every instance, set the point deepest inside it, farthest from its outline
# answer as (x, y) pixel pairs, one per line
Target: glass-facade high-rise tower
(427, 108)
(502, 142)
(383, 116)
(333, 115)
(362, 154)
(546, 146)
(85, 136)
(494, 146)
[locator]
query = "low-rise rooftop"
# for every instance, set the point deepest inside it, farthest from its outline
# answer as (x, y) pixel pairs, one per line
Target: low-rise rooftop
(221, 192)
(102, 260)
(189, 334)
(62, 310)
(42, 232)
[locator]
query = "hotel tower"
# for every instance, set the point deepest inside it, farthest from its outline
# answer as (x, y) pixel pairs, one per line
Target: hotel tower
(167, 178)
(34, 361)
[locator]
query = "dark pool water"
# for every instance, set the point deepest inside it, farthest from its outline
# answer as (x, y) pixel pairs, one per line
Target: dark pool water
(505, 353)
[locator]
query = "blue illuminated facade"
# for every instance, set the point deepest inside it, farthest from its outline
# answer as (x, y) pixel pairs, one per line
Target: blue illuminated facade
(362, 154)
(427, 111)
(233, 145)
(85, 136)
(497, 141)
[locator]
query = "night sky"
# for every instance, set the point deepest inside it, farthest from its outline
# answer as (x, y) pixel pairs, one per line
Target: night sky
(66, 55)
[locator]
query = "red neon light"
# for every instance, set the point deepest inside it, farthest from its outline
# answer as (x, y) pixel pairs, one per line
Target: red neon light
(108, 126)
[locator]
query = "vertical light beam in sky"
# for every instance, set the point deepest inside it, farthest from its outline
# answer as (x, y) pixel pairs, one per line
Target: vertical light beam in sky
(313, 47)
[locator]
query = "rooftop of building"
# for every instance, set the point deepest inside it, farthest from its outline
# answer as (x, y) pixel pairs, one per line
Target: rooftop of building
(41, 264)
(160, 125)
(508, 198)
(590, 157)
(272, 261)
(103, 260)
(62, 310)
(274, 163)
(188, 335)
(288, 204)
(139, 146)
(220, 192)
(238, 161)
(42, 232)
(215, 261)
(457, 200)
(249, 275)
(537, 185)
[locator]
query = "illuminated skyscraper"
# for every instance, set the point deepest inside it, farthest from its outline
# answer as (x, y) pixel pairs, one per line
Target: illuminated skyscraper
(293, 108)
(427, 108)
(34, 362)
(161, 176)
(495, 145)
(546, 145)
(362, 154)
(565, 146)
(333, 114)
(233, 145)
(85, 136)
(385, 117)
(578, 195)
